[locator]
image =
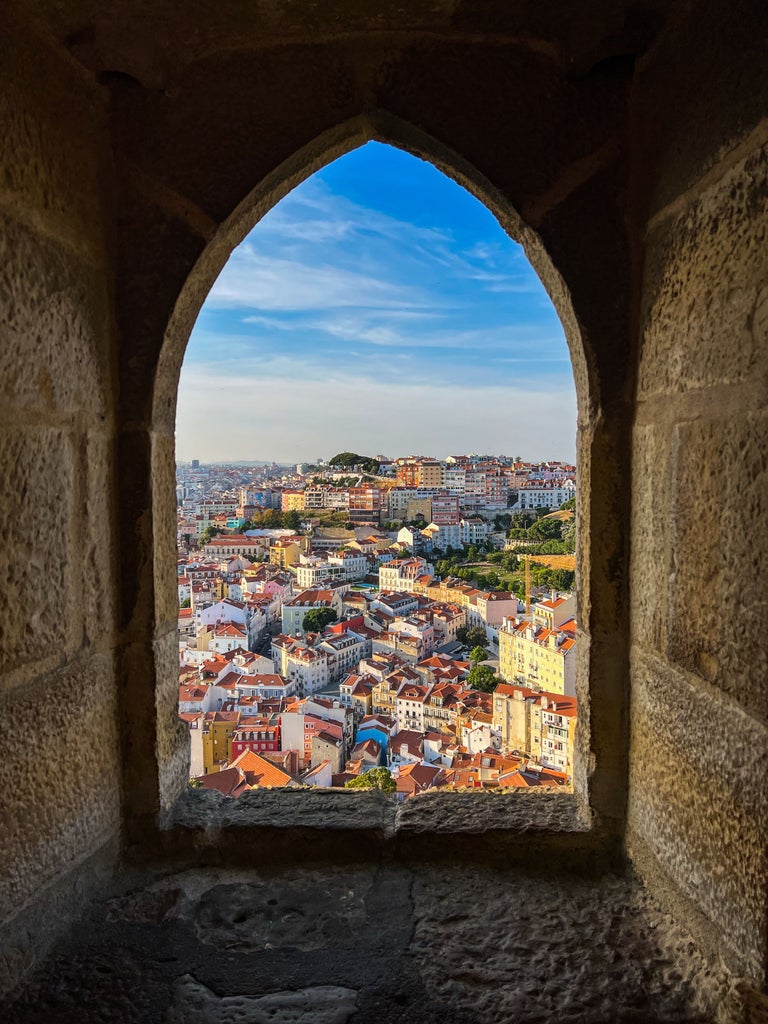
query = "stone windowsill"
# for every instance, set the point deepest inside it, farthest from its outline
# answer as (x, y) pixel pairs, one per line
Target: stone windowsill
(529, 812)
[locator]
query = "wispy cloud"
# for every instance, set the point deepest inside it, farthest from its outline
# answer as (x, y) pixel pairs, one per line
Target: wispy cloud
(253, 281)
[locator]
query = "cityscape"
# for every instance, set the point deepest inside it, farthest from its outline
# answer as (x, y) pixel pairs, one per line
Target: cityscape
(404, 624)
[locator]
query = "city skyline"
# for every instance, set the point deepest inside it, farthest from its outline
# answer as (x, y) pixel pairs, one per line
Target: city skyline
(367, 307)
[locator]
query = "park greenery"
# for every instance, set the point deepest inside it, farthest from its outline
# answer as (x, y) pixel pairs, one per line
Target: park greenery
(503, 571)
(273, 519)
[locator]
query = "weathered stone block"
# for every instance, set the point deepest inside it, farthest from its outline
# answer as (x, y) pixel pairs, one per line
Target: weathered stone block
(39, 619)
(96, 560)
(55, 139)
(705, 307)
(532, 947)
(164, 530)
(193, 1003)
(54, 327)
(718, 606)
(652, 460)
(700, 90)
(172, 739)
(299, 910)
(61, 775)
(697, 799)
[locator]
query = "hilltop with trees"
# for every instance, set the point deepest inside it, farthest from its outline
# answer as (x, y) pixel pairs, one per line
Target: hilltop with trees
(348, 460)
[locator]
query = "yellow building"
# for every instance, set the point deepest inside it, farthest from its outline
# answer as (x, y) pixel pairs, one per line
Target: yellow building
(451, 591)
(419, 507)
(540, 725)
(537, 657)
(284, 553)
(383, 696)
(292, 501)
(218, 729)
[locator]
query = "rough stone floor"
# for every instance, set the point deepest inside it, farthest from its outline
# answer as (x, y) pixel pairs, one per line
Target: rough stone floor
(353, 945)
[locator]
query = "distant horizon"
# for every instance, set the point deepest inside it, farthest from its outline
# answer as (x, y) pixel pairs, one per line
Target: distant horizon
(378, 306)
(314, 462)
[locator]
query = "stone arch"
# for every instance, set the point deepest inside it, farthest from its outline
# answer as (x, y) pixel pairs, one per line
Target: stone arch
(326, 147)
(323, 150)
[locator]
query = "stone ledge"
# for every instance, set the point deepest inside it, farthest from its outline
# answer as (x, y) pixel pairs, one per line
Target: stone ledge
(336, 809)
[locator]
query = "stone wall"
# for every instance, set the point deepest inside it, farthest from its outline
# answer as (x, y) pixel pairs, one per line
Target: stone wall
(626, 151)
(60, 772)
(698, 804)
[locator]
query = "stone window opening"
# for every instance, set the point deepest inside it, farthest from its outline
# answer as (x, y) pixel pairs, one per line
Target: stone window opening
(572, 812)
(631, 141)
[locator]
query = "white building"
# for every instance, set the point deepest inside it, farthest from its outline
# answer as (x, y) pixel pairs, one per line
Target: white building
(297, 607)
(409, 706)
(221, 611)
(306, 667)
(344, 651)
(544, 494)
(401, 574)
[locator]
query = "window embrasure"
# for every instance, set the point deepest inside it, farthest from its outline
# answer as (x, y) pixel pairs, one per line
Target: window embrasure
(486, 633)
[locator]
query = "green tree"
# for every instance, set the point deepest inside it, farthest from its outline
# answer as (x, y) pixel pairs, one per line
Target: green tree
(568, 505)
(561, 579)
(348, 459)
(292, 519)
(208, 533)
(271, 518)
(569, 537)
(477, 654)
(376, 778)
(317, 619)
(522, 520)
(471, 636)
(546, 529)
(186, 603)
(482, 677)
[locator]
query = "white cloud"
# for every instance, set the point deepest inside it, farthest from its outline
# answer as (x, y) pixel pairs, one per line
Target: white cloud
(253, 281)
(339, 218)
(286, 419)
(384, 331)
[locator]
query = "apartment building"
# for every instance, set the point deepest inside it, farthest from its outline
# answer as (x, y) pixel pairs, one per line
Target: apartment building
(541, 658)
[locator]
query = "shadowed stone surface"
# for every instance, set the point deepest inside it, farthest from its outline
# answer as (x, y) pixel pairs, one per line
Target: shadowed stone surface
(429, 945)
(322, 1004)
(249, 918)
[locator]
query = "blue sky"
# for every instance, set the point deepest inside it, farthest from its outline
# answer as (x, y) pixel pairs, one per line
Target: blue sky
(377, 308)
